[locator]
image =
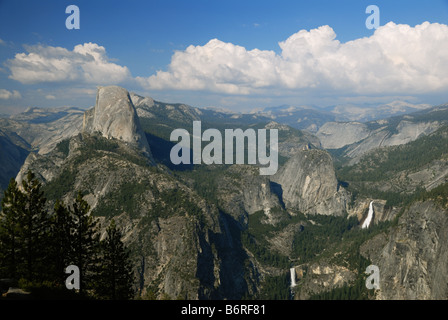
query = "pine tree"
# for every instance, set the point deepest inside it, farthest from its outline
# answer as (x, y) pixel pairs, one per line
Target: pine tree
(85, 241)
(116, 277)
(34, 227)
(10, 240)
(61, 241)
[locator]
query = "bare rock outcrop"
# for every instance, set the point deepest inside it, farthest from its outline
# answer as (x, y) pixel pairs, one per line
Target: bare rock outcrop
(413, 258)
(308, 183)
(114, 116)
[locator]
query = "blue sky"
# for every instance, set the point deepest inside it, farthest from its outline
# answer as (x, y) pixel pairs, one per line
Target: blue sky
(136, 42)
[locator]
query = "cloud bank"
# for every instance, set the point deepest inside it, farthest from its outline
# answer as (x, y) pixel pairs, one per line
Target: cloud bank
(86, 63)
(6, 94)
(396, 59)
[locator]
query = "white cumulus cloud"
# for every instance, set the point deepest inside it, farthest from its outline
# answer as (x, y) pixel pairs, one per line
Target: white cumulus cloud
(6, 94)
(86, 63)
(395, 59)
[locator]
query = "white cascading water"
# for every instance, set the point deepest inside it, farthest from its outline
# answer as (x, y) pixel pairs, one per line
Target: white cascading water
(369, 216)
(293, 277)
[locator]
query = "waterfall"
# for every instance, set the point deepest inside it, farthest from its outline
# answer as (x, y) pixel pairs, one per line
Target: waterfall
(369, 216)
(293, 277)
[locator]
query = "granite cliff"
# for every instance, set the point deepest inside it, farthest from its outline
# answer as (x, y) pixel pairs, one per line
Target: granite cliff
(308, 183)
(413, 256)
(356, 138)
(182, 246)
(224, 231)
(114, 117)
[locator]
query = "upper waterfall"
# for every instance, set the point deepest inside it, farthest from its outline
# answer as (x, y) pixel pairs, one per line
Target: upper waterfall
(368, 220)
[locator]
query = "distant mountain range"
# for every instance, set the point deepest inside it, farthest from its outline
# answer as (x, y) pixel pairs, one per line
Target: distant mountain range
(363, 127)
(226, 232)
(311, 118)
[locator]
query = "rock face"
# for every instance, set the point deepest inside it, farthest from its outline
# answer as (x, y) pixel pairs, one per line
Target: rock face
(358, 138)
(308, 183)
(258, 194)
(335, 135)
(406, 131)
(35, 130)
(382, 212)
(40, 130)
(413, 258)
(114, 116)
(321, 277)
(178, 244)
(12, 157)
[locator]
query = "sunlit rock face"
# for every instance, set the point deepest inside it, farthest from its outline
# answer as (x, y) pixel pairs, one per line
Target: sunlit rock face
(114, 116)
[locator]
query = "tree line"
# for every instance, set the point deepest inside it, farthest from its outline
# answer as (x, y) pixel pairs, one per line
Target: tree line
(37, 244)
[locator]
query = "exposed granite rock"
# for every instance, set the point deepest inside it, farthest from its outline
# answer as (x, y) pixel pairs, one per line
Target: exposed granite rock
(405, 131)
(16, 294)
(308, 183)
(40, 130)
(114, 116)
(258, 194)
(359, 138)
(37, 130)
(335, 135)
(320, 277)
(381, 212)
(413, 257)
(182, 247)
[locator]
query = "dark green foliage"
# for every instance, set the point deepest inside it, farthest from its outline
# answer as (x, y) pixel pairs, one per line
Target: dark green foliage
(275, 288)
(124, 199)
(163, 127)
(161, 148)
(85, 241)
(61, 185)
(175, 201)
(204, 179)
(439, 194)
(37, 246)
(385, 162)
(355, 291)
(262, 253)
(97, 142)
(254, 238)
(349, 255)
(10, 238)
(393, 198)
(94, 146)
(33, 226)
(64, 147)
(320, 235)
(335, 240)
(158, 135)
(364, 178)
(115, 276)
(25, 231)
(62, 238)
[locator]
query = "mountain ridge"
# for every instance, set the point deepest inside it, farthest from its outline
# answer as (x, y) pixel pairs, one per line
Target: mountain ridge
(223, 231)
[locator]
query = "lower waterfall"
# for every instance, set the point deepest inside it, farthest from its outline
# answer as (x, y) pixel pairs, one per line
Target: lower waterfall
(293, 277)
